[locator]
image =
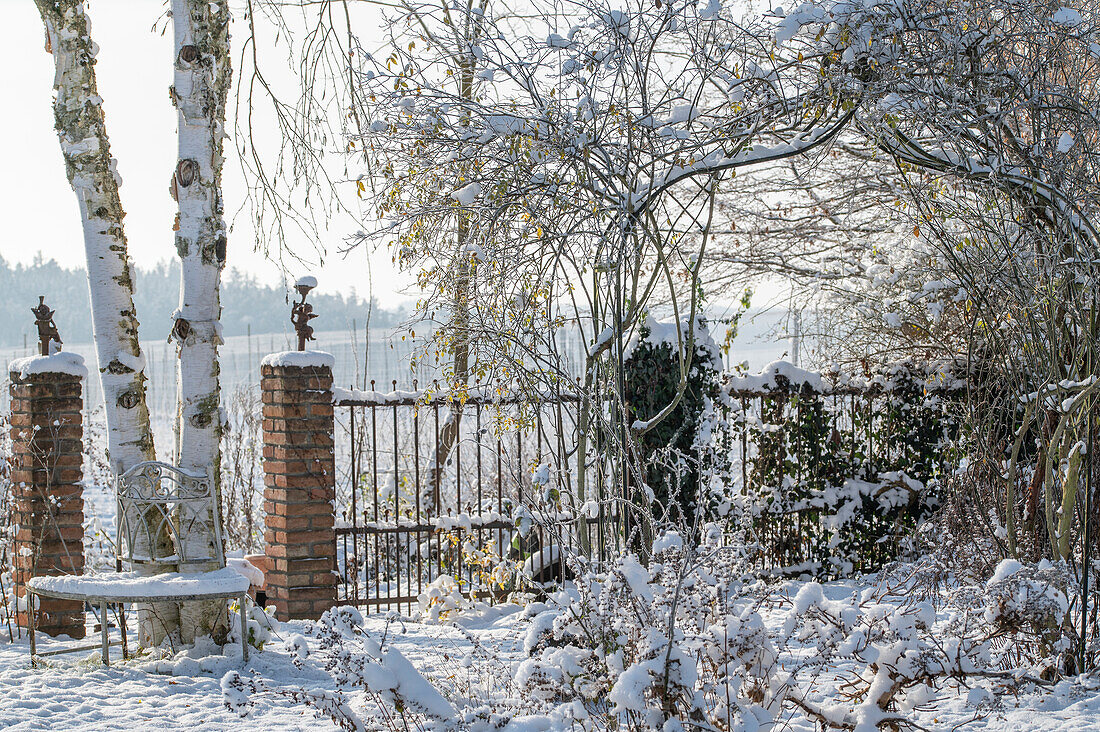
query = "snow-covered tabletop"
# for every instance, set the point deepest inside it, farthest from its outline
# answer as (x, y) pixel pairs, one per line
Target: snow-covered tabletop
(126, 586)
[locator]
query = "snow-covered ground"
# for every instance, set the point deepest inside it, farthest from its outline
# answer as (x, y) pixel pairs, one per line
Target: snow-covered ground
(184, 692)
(75, 692)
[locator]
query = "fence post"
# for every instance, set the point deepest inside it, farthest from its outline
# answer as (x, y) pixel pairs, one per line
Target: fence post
(299, 483)
(47, 448)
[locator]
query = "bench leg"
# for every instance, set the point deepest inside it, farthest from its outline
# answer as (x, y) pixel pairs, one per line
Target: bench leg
(244, 627)
(103, 633)
(122, 627)
(30, 627)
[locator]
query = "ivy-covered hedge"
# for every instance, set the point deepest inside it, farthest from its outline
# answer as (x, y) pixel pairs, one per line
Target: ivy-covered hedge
(681, 455)
(822, 474)
(837, 472)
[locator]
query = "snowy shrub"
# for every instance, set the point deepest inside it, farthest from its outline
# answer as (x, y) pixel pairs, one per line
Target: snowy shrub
(356, 661)
(1035, 600)
(7, 532)
(98, 491)
(441, 598)
(238, 692)
(569, 667)
(242, 473)
(840, 471)
(99, 501)
(260, 628)
(613, 639)
(335, 628)
(680, 453)
(693, 639)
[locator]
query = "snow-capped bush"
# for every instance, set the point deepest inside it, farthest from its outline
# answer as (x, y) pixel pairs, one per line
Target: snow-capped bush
(242, 474)
(441, 598)
(693, 637)
(7, 529)
(1032, 599)
(355, 660)
(693, 640)
(260, 624)
(236, 693)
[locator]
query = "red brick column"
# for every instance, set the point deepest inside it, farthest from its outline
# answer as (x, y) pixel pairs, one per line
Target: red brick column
(299, 483)
(47, 449)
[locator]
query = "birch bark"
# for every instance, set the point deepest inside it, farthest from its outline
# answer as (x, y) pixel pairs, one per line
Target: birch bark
(82, 132)
(201, 83)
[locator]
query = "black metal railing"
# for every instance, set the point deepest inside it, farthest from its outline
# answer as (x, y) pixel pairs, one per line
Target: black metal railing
(410, 511)
(497, 509)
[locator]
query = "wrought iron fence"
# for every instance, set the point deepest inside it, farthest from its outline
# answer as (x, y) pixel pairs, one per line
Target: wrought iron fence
(834, 475)
(411, 512)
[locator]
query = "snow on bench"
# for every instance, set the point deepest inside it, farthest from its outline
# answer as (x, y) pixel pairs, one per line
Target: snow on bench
(132, 586)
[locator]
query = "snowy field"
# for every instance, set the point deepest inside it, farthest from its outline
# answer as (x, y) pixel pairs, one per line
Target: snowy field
(184, 691)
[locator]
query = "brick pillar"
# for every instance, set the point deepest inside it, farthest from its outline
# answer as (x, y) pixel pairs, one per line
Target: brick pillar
(46, 433)
(299, 483)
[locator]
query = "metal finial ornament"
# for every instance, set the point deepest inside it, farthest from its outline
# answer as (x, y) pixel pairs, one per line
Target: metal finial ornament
(302, 312)
(47, 329)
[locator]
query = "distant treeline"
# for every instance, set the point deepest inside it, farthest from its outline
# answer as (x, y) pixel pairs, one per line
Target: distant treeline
(245, 303)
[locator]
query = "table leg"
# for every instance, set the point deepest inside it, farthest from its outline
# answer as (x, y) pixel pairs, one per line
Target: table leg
(244, 627)
(103, 632)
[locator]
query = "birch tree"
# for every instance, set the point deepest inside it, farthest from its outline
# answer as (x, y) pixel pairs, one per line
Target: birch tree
(201, 85)
(199, 92)
(93, 175)
(92, 172)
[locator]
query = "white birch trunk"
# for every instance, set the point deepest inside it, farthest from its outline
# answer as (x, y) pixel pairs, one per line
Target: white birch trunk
(82, 132)
(201, 83)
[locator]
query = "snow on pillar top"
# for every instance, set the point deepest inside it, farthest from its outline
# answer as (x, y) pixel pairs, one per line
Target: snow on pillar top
(62, 362)
(300, 359)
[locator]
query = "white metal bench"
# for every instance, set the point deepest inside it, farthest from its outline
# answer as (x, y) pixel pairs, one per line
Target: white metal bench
(167, 524)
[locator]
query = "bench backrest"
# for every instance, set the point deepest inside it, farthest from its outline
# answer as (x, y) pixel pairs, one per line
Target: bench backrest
(167, 517)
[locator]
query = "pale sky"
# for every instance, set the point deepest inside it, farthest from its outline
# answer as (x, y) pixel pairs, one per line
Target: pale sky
(134, 70)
